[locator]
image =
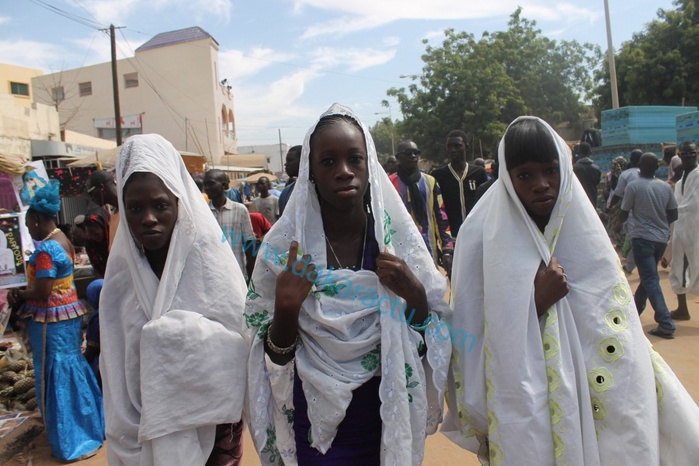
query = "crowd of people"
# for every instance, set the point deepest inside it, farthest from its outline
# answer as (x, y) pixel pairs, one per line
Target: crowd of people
(318, 316)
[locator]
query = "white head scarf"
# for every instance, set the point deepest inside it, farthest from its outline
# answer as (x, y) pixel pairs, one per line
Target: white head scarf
(173, 358)
(344, 341)
(577, 386)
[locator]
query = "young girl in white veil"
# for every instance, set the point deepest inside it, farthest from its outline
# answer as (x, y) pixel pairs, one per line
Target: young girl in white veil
(344, 314)
(173, 360)
(561, 372)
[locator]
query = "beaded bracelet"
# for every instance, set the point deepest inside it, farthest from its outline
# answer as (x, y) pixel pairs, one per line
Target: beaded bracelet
(277, 350)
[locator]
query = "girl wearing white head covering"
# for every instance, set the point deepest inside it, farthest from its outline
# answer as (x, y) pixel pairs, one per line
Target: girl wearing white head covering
(349, 329)
(567, 378)
(173, 361)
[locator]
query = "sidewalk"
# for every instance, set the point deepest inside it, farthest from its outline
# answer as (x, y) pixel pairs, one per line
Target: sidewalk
(682, 354)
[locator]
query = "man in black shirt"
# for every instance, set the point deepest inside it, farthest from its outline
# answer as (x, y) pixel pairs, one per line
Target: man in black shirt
(458, 181)
(587, 172)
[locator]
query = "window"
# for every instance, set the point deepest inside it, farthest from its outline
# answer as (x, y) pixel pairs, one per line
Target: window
(85, 88)
(57, 94)
(131, 80)
(19, 89)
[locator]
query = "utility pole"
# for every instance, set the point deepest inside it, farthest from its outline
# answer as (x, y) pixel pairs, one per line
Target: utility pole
(115, 87)
(610, 55)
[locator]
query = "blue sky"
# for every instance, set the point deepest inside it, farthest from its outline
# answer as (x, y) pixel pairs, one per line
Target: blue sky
(288, 60)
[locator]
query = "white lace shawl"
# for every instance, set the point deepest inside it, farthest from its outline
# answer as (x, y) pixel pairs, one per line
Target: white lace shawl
(173, 359)
(684, 236)
(578, 386)
(344, 340)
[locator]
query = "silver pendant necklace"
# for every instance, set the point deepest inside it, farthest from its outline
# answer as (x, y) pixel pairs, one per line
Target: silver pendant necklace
(366, 226)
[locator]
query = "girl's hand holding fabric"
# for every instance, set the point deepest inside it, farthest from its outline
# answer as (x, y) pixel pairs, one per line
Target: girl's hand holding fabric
(395, 275)
(550, 286)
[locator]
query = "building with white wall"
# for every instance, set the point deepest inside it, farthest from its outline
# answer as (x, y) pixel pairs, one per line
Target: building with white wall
(170, 86)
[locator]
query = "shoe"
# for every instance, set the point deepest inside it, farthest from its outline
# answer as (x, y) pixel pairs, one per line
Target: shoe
(659, 332)
(676, 315)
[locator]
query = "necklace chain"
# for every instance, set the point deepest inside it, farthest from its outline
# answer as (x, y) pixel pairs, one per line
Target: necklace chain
(366, 226)
(53, 232)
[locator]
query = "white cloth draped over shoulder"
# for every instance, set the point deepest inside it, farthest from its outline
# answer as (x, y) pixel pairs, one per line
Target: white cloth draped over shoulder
(581, 385)
(344, 339)
(173, 360)
(685, 236)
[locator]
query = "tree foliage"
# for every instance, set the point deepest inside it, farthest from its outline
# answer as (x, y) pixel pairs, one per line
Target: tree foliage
(480, 86)
(660, 65)
(383, 134)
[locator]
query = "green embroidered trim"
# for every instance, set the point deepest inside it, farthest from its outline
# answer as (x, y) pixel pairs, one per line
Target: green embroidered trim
(556, 412)
(559, 448)
(551, 346)
(610, 349)
(333, 289)
(372, 359)
(252, 294)
(616, 320)
(621, 294)
(496, 454)
(289, 413)
(600, 379)
(493, 422)
(598, 410)
(271, 447)
(554, 379)
(388, 232)
(256, 319)
(408, 383)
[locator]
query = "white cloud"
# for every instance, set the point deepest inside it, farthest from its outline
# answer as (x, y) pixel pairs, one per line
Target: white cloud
(260, 106)
(344, 26)
(117, 11)
(369, 14)
(354, 59)
(430, 35)
(391, 41)
(4, 19)
(29, 53)
(237, 64)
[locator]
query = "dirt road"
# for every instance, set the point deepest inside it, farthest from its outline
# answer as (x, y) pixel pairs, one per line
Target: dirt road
(682, 354)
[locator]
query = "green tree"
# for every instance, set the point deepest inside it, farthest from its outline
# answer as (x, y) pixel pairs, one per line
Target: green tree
(384, 138)
(660, 65)
(480, 86)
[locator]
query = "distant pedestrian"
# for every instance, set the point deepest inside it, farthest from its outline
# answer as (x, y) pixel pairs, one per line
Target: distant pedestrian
(587, 172)
(650, 207)
(458, 181)
(265, 203)
(684, 275)
(232, 217)
(291, 166)
(422, 197)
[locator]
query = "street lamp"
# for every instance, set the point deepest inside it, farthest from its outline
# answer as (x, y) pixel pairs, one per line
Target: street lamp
(390, 117)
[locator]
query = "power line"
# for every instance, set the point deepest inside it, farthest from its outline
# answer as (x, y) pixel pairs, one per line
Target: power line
(73, 17)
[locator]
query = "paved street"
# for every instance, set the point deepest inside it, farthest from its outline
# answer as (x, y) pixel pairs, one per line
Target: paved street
(682, 354)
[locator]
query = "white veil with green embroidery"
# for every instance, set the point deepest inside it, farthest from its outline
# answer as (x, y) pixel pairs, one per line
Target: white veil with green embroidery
(344, 339)
(581, 385)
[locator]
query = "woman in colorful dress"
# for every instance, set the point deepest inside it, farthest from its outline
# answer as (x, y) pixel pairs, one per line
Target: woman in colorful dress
(67, 391)
(561, 372)
(344, 313)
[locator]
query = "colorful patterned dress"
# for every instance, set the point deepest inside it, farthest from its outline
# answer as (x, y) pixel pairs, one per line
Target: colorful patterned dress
(70, 399)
